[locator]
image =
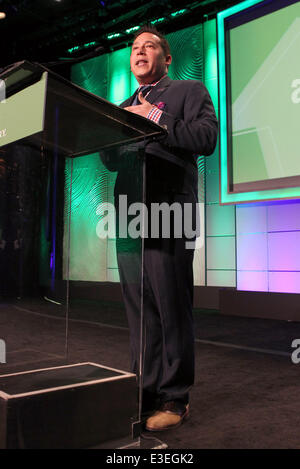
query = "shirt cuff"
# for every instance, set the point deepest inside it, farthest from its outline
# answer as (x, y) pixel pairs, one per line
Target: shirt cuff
(155, 114)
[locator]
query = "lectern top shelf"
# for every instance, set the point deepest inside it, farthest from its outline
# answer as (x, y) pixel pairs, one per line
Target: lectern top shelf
(46, 109)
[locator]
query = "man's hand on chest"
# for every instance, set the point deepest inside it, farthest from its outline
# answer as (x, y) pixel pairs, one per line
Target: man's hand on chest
(142, 109)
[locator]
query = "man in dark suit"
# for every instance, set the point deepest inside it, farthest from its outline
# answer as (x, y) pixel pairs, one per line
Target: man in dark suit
(185, 110)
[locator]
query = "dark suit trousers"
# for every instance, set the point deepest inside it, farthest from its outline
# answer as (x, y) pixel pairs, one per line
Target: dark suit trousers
(168, 297)
(168, 346)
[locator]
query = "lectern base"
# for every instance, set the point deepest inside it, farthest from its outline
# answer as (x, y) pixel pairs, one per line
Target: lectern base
(73, 406)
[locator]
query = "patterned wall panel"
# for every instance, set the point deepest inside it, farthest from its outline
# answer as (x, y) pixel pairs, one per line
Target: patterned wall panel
(187, 64)
(88, 190)
(92, 75)
(187, 54)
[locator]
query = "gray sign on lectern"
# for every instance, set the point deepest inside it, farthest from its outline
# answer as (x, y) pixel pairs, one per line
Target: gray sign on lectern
(37, 98)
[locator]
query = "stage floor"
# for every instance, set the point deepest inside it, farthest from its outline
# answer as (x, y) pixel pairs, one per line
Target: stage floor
(246, 389)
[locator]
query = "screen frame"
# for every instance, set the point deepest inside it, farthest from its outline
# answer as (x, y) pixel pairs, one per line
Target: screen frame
(256, 191)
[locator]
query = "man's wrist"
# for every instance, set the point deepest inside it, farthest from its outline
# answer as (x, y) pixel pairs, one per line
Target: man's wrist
(155, 114)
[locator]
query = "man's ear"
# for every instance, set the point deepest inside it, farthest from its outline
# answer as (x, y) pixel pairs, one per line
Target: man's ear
(168, 60)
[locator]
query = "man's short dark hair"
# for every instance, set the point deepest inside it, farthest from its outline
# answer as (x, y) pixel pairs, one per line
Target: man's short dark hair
(151, 29)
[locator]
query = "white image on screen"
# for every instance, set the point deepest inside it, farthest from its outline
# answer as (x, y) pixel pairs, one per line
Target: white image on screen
(296, 93)
(268, 102)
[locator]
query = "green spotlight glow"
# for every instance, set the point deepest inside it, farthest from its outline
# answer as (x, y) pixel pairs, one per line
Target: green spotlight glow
(89, 44)
(158, 20)
(113, 36)
(73, 49)
(179, 12)
(83, 46)
(131, 30)
(119, 77)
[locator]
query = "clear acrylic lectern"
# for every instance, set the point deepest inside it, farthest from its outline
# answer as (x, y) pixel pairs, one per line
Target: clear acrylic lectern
(63, 330)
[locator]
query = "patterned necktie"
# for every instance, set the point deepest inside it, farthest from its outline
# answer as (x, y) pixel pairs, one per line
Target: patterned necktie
(144, 90)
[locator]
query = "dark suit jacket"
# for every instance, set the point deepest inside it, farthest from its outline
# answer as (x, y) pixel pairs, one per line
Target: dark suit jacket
(191, 123)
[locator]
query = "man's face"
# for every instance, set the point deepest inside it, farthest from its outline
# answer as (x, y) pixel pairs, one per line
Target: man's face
(148, 61)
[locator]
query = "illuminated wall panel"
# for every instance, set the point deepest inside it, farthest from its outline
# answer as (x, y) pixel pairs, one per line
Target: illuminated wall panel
(119, 76)
(284, 251)
(92, 75)
(199, 254)
(88, 191)
(220, 253)
(119, 61)
(187, 54)
(251, 219)
(212, 186)
(268, 234)
(252, 247)
(111, 255)
(113, 275)
(109, 76)
(252, 281)
(268, 247)
(265, 246)
(284, 282)
(284, 217)
(210, 60)
(213, 91)
(119, 84)
(220, 220)
(212, 161)
(252, 251)
(221, 277)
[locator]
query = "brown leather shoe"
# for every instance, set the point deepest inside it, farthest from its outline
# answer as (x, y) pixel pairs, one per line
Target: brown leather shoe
(169, 416)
